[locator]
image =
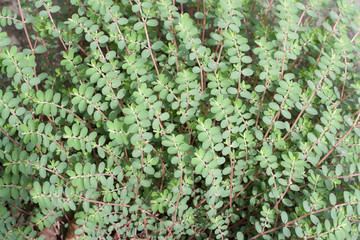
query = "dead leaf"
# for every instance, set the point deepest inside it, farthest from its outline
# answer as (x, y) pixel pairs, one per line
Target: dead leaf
(49, 233)
(70, 234)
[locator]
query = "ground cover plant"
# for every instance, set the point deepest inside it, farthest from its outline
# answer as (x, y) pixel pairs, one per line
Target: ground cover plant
(183, 119)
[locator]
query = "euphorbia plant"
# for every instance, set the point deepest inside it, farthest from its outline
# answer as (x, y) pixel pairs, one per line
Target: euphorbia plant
(184, 119)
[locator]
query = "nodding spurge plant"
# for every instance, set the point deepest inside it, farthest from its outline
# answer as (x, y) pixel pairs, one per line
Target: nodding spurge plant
(181, 119)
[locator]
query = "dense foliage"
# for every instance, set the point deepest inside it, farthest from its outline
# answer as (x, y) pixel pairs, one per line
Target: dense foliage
(186, 119)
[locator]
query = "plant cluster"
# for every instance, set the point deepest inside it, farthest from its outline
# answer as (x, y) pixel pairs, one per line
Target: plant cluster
(181, 119)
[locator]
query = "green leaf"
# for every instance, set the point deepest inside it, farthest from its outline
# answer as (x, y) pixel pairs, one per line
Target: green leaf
(54, 9)
(103, 39)
(157, 45)
(286, 232)
(122, 21)
(135, 8)
(287, 202)
(260, 88)
(246, 59)
(300, 5)
(61, 167)
(78, 168)
(145, 183)
(152, 23)
(164, 116)
(286, 114)
(339, 169)
(149, 170)
(306, 206)
(101, 152)
(274, 106)
(259, 135)
(5, 113)
(4, 42)
(40, 49)
(72, 205)
(240, 236)
(279, 125)
(279, 54)
(78, 231)
(138, 26)
(332, 199)
(43, 13)
(37, 187)
(299, 232)
(67, 131)
(314, 219)
(294, 187)
(258, 227)
(247, 72)
(146, 5)
(311, 111)
(110, 55)
(284, 217)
